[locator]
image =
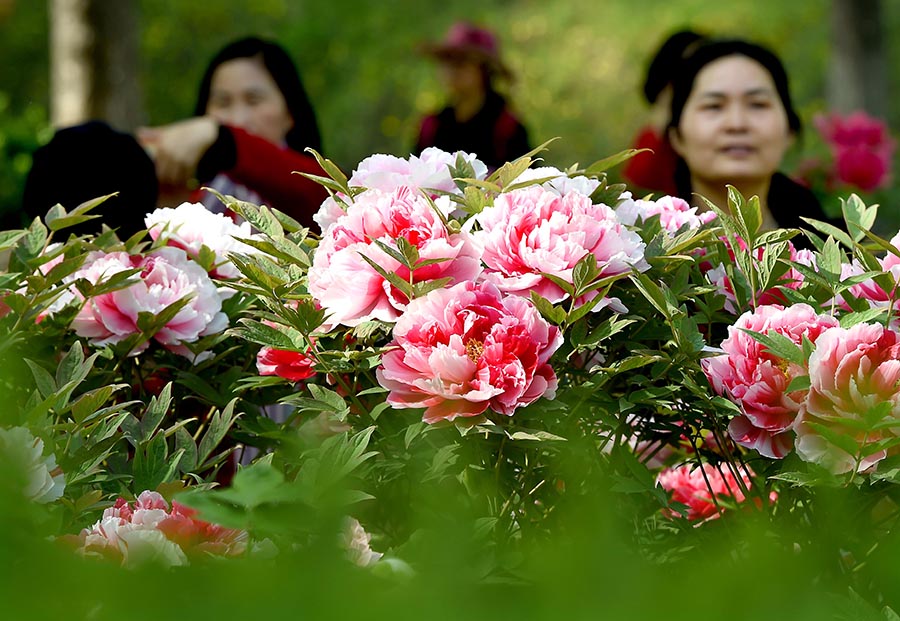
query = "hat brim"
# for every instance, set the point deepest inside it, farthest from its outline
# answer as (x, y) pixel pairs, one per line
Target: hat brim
(443, 51)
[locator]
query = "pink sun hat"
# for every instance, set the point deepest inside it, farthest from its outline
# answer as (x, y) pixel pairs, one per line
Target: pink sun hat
(466, 40)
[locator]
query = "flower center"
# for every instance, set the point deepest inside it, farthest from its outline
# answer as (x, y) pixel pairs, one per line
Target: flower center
(474, 349)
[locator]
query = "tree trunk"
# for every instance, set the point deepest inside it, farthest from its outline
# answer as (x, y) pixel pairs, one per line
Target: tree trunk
(94, 63)
(858, 69)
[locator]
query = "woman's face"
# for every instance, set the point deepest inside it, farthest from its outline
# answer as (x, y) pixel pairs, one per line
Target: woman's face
(243, 94)
(462, 75)
(734, 128)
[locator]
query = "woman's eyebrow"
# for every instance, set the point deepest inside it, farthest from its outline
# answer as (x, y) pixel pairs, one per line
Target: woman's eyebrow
(760, 90)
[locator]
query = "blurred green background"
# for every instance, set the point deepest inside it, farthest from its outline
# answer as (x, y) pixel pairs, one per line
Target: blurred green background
(579, 63)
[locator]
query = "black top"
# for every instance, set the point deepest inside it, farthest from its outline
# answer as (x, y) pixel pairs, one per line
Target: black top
(494, 134)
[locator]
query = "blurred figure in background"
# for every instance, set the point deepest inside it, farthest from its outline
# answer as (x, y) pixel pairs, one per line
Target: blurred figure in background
(253, 121)
(477, 118)
(84, 162)
(731, 122)
(655, 171)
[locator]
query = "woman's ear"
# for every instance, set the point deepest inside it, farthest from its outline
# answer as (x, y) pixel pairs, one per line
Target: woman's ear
(675, 140)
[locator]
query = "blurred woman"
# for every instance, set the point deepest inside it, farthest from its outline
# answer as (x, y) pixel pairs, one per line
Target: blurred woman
(253, 121)
(477, 118)
(732, 120)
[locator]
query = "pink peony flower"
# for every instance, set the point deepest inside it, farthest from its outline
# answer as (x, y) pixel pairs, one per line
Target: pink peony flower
(351, 290)
(532, 231)
(166, 276)
(45, 482)
(851, 371)
(190, 226)
(757, 380)
(291, 365)
(463, 350)
(703, 488)
(430, 170)
(356, 540)
(674, 213)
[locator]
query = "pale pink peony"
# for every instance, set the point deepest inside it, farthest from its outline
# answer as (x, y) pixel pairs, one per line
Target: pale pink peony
(430, 170)
(190, 226)
(463, 350)
(166, 276)
(851, 371)
(757, 381)
(674, 213)
(869, 290)
(704, 489)
(291, 365)
(356, 540)
(148, 531)
(532, 231)
(351, 290)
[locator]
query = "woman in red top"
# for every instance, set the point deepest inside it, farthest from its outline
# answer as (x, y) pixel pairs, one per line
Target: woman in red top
(253, 121)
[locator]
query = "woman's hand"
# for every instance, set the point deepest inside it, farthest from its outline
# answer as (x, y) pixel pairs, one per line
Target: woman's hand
(177, 148)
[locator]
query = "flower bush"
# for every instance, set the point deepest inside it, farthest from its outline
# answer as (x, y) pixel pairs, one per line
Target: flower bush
(508, 356)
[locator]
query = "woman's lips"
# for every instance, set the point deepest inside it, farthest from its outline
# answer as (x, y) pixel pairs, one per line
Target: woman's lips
(738, 150)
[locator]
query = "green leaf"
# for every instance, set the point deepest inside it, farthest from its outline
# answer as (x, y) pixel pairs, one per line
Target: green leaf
(149, 466)
(155, 412)
(841, 441)
(42, 378)
(779, 345)
(612, 161)
(219, 424)
(551, 313)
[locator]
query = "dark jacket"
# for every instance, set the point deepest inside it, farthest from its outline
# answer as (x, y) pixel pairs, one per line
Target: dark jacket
(494, 134)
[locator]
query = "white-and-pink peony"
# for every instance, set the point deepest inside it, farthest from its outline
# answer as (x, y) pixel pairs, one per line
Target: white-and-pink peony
(466, 349)
(430, 170)
(758, 381)
(166, 276)
(851, 371)
(351, 290)
(533, 231)
(557, 181)
(191, 226)
(147, 531)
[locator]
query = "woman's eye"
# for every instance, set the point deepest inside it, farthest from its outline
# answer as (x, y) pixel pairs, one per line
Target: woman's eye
(761, 104)
(711, 106)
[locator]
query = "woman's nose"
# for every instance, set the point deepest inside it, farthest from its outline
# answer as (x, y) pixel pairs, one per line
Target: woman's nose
(736, 118)
(237, 115)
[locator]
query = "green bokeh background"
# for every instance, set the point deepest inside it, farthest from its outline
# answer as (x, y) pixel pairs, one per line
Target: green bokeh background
(579, 63)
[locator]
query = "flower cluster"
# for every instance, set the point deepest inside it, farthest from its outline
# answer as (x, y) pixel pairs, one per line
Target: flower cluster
(861, 147)
(148, 530)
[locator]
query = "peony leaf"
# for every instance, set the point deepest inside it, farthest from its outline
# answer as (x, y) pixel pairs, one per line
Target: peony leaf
(858, 217)
(219, 424)
(836, 438)
(612, 161)
(551, 313)
(779, 345)
(332, 170)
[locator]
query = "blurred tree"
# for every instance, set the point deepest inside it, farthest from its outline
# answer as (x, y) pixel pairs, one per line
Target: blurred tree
(94, 58)
(858, 65)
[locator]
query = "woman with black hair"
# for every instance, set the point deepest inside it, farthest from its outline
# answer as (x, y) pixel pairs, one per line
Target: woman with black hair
(477, 118)
(253, 121)
(731, 122)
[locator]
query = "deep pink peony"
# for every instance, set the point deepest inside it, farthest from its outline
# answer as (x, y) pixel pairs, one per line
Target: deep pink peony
(166, 276)
(862, 148)
(697, 487)
(851, 371)
(463, 350)
(351, 290)
(190, 226)
(532, 231)
(674, 213)
(757, 380)
(291, 365)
